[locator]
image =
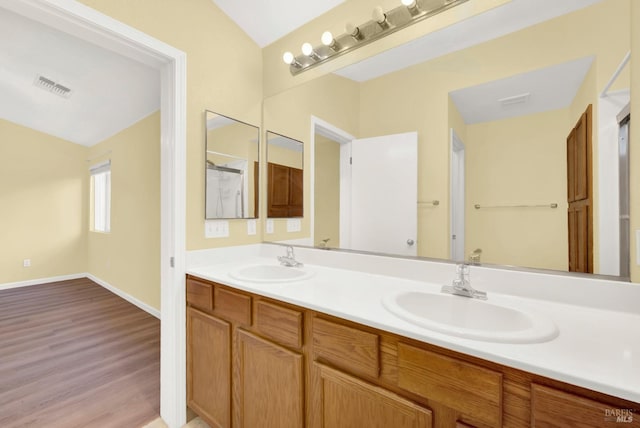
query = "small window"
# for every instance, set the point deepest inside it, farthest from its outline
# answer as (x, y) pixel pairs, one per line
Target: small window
(101, 197)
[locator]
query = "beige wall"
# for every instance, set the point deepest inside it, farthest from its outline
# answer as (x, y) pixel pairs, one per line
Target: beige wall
(330, 98)
(634, 150)
(327, 192)
(416, 99)
(285, 156)
(129, 256)
(224, 74)
(514, 162)
(44, 205)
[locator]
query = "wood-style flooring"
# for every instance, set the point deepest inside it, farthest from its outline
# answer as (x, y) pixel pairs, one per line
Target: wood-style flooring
(73, 354)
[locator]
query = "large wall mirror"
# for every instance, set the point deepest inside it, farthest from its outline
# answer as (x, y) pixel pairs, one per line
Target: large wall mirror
(514, 130)
(232, 150)
(285, 159)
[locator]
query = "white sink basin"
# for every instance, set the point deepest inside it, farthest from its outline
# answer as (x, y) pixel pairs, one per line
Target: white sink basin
(489, 320)
(270, 273)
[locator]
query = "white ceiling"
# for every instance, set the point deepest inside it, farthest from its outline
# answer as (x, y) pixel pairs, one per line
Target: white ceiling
(265, 21)
(548, 88)
(110, 92)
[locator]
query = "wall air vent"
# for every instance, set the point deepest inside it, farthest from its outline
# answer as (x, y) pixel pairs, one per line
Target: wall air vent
(51, 86)
(514, 100)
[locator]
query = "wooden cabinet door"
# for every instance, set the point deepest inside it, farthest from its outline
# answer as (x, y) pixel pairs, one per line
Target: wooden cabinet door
(278, 190)
(347, 402)
(209, 368)
(269, 384)
(579, 198)
(578, 219)
(295, 192)
(581, 159)
(571, 166)
(557, 409)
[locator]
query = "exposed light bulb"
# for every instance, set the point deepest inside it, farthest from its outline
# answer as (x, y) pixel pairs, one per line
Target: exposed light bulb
(352, 30)
(378, 15)
(307, 49)
(409, 3)
(327, 38)
(288, 58)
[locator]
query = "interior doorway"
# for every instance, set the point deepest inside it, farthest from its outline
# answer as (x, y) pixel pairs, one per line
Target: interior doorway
(624, 120)
(457, 197)
(88, 24)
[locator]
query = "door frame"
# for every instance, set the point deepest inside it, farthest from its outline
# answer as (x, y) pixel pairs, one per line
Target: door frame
(457, 178)
(88, 24)
(343, 138)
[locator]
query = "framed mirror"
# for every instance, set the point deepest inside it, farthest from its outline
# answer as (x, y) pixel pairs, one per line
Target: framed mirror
(494, 113)
(231, 173)
(285, 158)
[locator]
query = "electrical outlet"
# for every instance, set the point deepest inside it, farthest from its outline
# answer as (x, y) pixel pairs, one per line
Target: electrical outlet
(251, 227)
(216, 229)
(294, 225)
(26, 263)
(269, 225)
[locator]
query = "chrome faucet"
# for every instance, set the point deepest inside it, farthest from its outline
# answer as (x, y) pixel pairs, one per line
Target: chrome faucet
(461, 286)
(290, 259)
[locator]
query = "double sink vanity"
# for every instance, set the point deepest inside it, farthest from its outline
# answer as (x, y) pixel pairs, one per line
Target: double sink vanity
(342, 339)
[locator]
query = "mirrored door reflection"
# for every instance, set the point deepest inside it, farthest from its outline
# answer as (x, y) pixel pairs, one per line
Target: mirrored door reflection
(284, 176)
(231, 189)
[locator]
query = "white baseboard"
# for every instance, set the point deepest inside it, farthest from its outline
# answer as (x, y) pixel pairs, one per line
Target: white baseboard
(37, 281)
(129, 298)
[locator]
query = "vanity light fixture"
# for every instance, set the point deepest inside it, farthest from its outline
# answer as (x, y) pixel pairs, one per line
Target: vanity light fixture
(328, 40)
(382, 23)
(412, 6)
(353, 31)
(290, 59)
(380, 17)
(307, 50)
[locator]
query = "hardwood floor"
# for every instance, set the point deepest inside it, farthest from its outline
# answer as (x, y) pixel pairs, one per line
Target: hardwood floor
(73, 354)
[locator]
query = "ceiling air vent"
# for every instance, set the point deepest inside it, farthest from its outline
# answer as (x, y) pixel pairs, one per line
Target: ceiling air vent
(516, 99)
(53, 87)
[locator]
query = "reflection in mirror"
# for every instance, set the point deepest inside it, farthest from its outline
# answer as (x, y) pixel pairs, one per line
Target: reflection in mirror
(284, 176)
(231, 189)
(517, 120)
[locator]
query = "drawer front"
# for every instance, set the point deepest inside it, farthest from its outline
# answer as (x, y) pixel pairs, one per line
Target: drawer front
(553, 408)
(232, 306)
(200, 294)
(472, 390)
(280, 324)
(346, 347)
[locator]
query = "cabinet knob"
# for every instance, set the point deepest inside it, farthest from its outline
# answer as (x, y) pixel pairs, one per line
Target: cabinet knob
(410, 242)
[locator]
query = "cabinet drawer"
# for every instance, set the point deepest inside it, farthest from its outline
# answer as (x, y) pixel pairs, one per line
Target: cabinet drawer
(280, 324)
(553, 408)
(200, 294)
(470, 389)
(346, 347)
(232, 306)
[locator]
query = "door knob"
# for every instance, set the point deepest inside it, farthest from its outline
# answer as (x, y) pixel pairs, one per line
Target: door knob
(410, 242)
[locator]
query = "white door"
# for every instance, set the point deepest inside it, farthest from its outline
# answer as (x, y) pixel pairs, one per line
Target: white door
(384, 190)
(457, 198)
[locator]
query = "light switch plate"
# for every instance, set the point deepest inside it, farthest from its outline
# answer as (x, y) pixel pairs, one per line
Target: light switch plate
(269, 225)
(251, 227)
(294, 225)
(216, 229)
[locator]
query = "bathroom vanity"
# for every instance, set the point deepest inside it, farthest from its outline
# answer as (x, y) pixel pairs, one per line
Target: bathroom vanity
(306, 353)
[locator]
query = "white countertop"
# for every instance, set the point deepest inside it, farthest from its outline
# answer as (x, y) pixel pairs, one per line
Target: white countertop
(597, 346)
